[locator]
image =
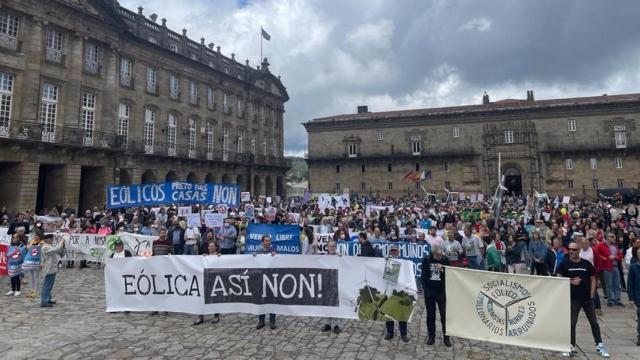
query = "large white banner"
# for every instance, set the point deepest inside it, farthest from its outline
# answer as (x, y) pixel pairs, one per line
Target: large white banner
(522, 310)
(300, 285)
(95, 247)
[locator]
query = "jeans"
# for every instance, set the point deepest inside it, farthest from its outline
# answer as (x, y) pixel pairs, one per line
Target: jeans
(401, 324)
(638, 321)
(35, 279)
(272, 318)
(431, 298)
(178, 249)
(47, 286)
(190, 250)
(590, 311)
(473, 262)
(596, 300)
(612, 285)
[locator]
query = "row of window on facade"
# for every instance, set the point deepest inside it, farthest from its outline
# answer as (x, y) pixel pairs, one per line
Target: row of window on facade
(447, 185)
(509, 138)
(445, 167)
(595, 184)
(50, 94)
(54, 50)
(92, 65)
(617, 163)
(152, 87)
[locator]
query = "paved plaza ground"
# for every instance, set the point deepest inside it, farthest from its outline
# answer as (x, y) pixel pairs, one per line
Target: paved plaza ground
(79, 328)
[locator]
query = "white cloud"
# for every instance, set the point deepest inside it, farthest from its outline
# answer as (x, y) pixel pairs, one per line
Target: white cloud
(480, 24)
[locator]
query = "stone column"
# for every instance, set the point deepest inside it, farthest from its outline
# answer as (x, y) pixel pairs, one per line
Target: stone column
(71, 197)
(32, 49)
(73, 85)
(28, 186)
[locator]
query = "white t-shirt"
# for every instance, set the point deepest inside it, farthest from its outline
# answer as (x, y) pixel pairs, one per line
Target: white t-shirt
(118, 254)
(587, 255)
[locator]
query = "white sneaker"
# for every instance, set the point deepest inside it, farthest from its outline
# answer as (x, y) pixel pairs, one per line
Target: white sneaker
(10, 293)
(17, 293)
(570, 352)
(602, 350)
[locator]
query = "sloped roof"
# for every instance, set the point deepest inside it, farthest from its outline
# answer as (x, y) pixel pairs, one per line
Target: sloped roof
(506, 104)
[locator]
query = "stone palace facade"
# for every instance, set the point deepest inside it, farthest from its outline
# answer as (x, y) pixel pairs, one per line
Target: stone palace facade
(560, 146)
(93, 94)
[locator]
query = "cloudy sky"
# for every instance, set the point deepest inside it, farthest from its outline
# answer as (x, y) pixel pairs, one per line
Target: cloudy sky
(397, 54)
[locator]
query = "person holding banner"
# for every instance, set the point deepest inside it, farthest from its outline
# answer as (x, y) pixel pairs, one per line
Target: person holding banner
(332, 323)
(402, 325)
(212, 250)
(433, 285)
(583, 287)
(50, 255)
(266, 249)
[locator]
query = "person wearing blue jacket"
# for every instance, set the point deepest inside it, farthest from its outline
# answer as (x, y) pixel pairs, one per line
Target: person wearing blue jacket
(633, 288)
(15, 256)
(538, 253)
(33, 262)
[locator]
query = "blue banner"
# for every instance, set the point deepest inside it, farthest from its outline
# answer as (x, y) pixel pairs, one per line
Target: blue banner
(172, 193)
(406, 250)
(285, 238)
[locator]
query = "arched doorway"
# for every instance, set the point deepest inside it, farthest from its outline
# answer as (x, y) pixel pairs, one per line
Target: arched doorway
(192, 178)
(280, 186)
(226, 179)
(171, 176)
(257, 186)
(148, 177)
(268, 186)
(513, 181)
(125, 177)
(210, 178)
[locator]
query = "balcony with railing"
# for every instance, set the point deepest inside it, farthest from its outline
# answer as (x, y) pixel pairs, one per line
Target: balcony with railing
(54, 56)
(92, 67)
(9, 42)
(31, 131)
(126, 80)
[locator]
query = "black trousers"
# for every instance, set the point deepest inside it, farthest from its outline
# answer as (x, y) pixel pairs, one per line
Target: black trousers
(539, 269)
(590, 311)
(15, 283)
(431, 298)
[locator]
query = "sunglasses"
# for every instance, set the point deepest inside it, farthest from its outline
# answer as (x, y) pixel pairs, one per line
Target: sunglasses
(574, 249)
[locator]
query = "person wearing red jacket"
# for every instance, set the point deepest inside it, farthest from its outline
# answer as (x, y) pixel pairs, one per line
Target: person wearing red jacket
(608, 255)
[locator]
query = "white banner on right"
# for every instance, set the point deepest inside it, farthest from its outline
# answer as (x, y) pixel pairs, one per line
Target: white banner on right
(521, 310)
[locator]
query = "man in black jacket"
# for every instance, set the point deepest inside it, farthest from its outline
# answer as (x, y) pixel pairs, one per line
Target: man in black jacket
(19, 222)
(432, 278)
(366, 249)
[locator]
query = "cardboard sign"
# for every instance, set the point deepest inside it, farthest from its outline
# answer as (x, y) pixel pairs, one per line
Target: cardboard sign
(214, 220)
(223, 209)
(245, 196)
(184, 210)
(193, 220)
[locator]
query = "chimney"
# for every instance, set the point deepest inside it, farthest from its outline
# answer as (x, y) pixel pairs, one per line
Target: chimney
(202, 41)
(184, 32)
(218, 48)
(530, 95)
(233, 56)
(246, 62)
(164, 22)
(140, 8)
(485, 98)
(363, 109)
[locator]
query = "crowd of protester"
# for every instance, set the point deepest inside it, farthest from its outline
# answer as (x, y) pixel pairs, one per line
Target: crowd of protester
(525, 235)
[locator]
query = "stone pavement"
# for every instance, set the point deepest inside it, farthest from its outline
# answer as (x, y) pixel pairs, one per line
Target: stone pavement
(79, 328)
